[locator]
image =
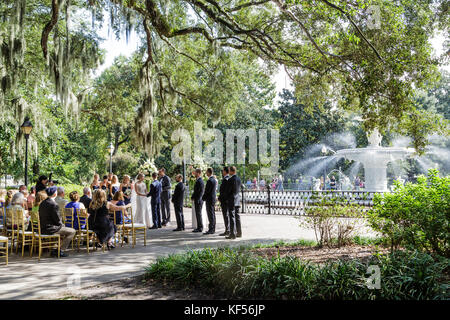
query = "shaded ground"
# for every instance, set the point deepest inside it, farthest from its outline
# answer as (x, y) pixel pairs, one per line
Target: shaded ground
(136, 288)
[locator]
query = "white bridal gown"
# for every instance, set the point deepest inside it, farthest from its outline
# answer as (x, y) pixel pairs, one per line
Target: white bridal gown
(205, 220)
(142, 210)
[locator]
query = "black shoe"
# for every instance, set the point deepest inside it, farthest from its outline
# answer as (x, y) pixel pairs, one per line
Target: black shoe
(224, 234)
(62, 254)
(154, 227)
(209, 232)
(239, 236)
(197, 230)
(230, 237)
(177, 229)
(125, 239)
(159, 227)
(99, 245)
(111, 246)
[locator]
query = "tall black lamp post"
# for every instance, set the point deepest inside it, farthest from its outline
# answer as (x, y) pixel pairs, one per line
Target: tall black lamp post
(111, 150)
(26, 128)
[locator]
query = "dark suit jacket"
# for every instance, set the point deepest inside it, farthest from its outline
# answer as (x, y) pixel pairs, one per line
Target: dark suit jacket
(165, 184)
(235, 189)
(210, 190)
(224, 190)
(86, 201)
(199, 188)
(48, 216)
(155, 191)
(178, 194)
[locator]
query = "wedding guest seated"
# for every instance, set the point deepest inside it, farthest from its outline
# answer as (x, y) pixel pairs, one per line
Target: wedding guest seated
(2, 198)
(8, 198)
(86, 198)
(24, 191)
(60, 201)
(99, 218)
(76, 205)
(119, 201)
(17, 204)
(51, 222)
(40, 196)
(30, 198)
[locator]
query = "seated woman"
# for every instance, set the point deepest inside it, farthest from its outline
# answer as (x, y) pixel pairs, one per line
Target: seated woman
(119, 201)
(99, 218)
(17, 202)
(76, 205)
(30, 198)
(2, 197)
(40, 196)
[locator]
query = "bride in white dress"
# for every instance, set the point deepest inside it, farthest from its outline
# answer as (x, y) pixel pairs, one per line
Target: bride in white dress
(142, 203)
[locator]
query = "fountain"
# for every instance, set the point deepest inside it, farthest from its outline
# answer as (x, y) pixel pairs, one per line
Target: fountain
(375, 158)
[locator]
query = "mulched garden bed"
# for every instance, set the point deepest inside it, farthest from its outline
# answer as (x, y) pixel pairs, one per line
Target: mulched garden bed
(321, 255)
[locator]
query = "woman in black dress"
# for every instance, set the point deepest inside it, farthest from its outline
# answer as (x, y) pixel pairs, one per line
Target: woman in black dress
(99, 218)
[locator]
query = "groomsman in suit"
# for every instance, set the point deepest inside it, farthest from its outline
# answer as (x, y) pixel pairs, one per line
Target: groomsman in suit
(177, 199)
(155, 193)
(223, 198)
(199, 188)
(233, 204)
(165, 196)
(210, 198)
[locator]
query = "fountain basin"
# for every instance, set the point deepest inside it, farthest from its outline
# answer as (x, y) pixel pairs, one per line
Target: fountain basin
(375, 160)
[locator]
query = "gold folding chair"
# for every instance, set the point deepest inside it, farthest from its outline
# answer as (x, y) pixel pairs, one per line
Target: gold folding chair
(2, 221)
(83, 232)
(68, 216)
(44, 241)
(24, 237)
(4, 249)
(11, 226)
(133, 228)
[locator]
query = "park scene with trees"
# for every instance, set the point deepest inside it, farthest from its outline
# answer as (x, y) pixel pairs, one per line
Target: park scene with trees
(338, 113)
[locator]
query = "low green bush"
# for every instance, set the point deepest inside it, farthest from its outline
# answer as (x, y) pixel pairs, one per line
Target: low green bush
(415, 216)
(333, 219)
(68, 188)
(239, 274)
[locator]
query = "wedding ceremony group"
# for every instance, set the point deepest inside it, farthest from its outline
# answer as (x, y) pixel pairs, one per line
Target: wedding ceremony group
(225, 150)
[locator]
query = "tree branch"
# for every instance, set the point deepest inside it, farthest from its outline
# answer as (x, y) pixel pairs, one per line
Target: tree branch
(49, 27)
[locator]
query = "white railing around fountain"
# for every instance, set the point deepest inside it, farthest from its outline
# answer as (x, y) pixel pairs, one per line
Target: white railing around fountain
(294, 202)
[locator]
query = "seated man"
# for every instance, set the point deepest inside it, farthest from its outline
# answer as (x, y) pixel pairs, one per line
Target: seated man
(86, 198)
(51, 222)
(60, 201)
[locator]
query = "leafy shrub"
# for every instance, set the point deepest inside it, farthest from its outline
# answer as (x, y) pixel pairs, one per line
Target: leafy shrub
(68, 188)
(415, 215)
(333, 219)
(232, 273)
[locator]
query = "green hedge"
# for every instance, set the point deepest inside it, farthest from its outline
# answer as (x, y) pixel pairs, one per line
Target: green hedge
(239, 274)
(68, 188)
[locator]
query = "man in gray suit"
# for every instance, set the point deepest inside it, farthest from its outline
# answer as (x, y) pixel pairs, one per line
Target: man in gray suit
(165, 196)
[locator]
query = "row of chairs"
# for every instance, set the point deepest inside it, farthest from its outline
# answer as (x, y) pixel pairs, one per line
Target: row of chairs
(126, 227)
(14, 234)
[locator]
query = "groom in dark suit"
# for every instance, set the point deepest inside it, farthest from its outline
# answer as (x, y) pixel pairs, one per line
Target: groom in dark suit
(177, 199)
(223, 198)
(155, 193)
(199, 188)
(210, 198)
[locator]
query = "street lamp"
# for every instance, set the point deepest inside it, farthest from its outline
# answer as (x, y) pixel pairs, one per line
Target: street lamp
(243, 176)
(26, 128)
(110, 150)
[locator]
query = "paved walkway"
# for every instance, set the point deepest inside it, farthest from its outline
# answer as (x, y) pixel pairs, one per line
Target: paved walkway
(26, 278)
